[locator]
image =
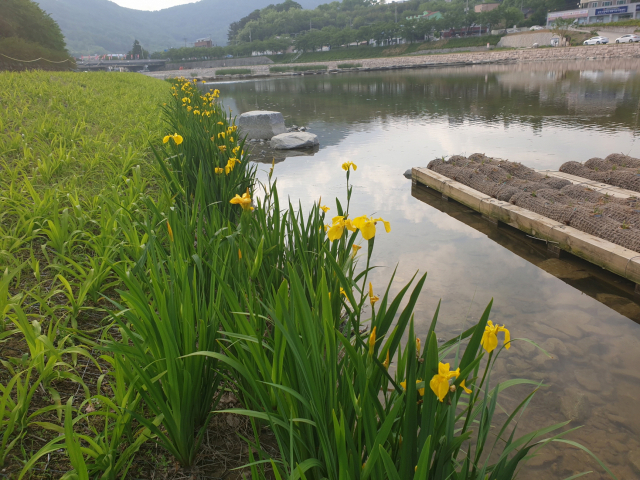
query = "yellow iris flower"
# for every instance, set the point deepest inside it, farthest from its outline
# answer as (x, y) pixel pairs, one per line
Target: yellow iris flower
(219, 170)
(355, 249)
(244, 201)
(347, 165)
(372, 298)
(420, 390)
(335, 231)
(176, 138)
(324, 209)
(221, 135)
(440, 382)
(490, 337)
(367, 226)
(170, 231)
(418, 346)
(386, 362)
(222, 148)
(372, 341)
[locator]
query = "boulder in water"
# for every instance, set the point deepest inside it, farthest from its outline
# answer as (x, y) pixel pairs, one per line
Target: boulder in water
(288, 141)
(261, 124)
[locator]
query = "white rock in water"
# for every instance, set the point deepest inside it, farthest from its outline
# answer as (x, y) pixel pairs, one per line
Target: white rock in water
(261, 124)
(287, 141)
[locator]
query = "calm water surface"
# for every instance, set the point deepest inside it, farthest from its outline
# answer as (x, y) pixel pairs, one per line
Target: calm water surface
(541, 115)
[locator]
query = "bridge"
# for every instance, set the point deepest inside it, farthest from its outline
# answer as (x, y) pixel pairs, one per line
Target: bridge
(121, 65)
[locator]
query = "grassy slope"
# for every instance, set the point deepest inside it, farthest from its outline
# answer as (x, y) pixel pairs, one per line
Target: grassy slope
(360, 53)
(69, 147)
(88, 129)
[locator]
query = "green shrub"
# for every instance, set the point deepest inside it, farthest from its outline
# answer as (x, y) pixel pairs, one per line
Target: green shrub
(349, 65)
(233, 71)
(19, 54)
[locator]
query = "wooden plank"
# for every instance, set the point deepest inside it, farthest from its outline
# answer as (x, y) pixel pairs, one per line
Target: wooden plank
(616, 259)
(599, 187)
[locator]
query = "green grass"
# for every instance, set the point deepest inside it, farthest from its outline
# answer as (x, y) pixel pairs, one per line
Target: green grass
(19, 54)
(184, 281)
(76, 160)
(233, 71)
(349, 65)
(297, 68)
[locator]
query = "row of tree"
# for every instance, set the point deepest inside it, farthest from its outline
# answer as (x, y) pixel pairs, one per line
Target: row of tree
(289, 19)
(280, 26)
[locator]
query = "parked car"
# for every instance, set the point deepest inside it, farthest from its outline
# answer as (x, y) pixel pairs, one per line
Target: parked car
(628, 38)
(536, 27)
(596, 41)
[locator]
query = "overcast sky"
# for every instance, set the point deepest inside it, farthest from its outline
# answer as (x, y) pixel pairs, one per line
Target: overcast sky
(151, 4)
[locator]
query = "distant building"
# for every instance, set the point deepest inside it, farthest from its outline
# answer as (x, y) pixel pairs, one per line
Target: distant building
(599, 12)
(485, 7)
(203, 42)
(426, 15)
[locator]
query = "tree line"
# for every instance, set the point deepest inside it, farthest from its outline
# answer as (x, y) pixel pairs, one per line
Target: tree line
(277, 27)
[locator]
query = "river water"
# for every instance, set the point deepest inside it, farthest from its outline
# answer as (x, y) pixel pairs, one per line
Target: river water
(540, 114)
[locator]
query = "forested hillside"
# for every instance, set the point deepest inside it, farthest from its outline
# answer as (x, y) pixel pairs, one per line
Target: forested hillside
(101, 26)
(27, 33)
(350, 22)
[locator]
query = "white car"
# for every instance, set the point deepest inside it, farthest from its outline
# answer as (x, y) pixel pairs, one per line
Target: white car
(596, 41)
(536, 27)
(629, 38)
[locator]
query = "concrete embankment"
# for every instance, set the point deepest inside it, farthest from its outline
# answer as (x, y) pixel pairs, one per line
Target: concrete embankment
(604, 52)
(225, 63)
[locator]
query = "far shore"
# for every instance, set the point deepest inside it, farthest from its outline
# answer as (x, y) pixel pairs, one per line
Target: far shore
(458, 59)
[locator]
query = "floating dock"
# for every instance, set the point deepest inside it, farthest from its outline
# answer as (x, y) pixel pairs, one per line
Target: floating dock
(559, 237)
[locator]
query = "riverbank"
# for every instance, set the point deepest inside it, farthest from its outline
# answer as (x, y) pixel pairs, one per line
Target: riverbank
(433, 61)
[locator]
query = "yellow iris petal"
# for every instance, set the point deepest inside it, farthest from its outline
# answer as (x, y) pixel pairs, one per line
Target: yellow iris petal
(466, 390)
(439, 386)
(368, 230)
(372, 341)
(335, 232)
(166, 139)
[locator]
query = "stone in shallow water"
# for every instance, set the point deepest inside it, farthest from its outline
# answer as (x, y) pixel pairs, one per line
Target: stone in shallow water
(261, 124)
(287, 141)
(574, 405)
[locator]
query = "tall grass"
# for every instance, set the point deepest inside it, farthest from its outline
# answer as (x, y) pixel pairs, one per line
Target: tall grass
(202, 283)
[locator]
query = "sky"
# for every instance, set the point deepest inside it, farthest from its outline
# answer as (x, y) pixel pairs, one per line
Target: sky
(151, 4)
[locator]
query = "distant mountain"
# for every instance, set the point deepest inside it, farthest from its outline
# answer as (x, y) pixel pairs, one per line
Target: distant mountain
(101, 26)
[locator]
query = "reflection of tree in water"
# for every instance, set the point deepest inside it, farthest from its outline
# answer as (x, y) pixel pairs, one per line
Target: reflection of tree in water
(531, 94)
